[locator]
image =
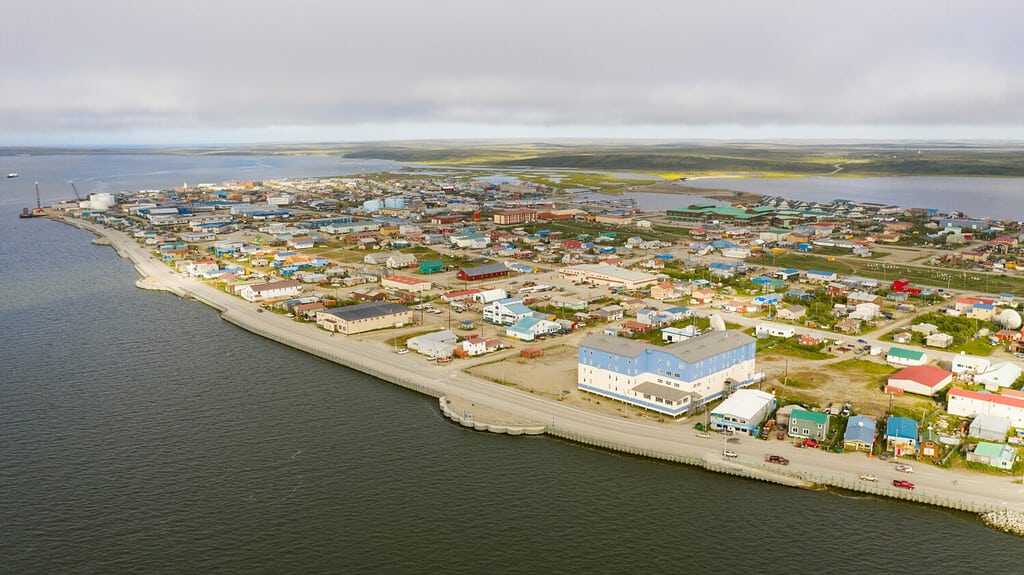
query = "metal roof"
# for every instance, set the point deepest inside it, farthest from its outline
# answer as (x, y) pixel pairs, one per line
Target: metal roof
(691, 350)
(367, 310)
(661, 391)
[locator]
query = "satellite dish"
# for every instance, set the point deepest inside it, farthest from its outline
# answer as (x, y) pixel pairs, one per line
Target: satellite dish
(1009, 319)
(717, 323)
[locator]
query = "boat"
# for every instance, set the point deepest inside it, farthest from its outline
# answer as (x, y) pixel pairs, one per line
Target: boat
(12, 175)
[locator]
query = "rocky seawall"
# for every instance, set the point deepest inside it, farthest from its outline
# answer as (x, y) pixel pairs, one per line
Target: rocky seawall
(1007, 521)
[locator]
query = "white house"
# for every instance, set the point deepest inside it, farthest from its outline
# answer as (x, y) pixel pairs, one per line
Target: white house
(470, 241)
(195, 269)
(398, 261)
(820, 276)
(529, 328)
(774, 330)
(271, 290)
(743, 411)
(969, 364)
(506, 311)
(674, 334)
(865, 311)
(901, 356)
(998, 376)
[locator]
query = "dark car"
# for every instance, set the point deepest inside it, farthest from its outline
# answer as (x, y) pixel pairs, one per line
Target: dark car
(776, 459)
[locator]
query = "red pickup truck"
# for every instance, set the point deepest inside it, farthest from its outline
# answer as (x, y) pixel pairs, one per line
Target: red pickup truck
(902, 484)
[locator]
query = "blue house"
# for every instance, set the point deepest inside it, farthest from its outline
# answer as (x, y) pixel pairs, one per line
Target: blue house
(901, 435)
(860, 433)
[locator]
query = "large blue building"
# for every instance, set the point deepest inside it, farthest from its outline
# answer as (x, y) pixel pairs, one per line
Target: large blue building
(669, 379)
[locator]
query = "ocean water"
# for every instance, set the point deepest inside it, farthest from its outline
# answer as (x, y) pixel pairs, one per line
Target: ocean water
(1000, 198)
(142, 434)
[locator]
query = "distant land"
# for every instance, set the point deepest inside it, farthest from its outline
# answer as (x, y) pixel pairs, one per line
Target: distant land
(660, 157)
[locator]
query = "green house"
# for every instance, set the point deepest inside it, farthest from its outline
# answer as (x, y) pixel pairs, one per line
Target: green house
(431, 266)
(995, 454)
(808, 424)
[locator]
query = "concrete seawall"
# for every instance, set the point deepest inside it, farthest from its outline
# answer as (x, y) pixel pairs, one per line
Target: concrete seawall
(487, 416)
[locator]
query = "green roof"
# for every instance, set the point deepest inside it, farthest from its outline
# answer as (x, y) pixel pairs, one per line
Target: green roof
(818, 417)
(905, 353)
(990, 450)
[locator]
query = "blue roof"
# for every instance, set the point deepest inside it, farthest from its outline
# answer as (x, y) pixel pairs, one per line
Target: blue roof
(789, 271)
(820, 273)
(983, 306)
(860, 428)
(518, 308)
(901, 427)
(525, 324)
(677, 309)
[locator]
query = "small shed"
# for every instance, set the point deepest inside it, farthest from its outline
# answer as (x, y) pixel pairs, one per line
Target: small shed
(531, 352)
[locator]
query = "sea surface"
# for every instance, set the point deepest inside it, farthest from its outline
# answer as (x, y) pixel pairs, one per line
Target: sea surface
(139, 433)
(1000, 198)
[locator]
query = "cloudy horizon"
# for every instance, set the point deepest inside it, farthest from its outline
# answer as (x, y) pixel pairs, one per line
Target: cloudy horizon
(119, 72)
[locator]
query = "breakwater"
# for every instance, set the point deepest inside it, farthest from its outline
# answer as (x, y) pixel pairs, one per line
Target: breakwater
(1007, 521)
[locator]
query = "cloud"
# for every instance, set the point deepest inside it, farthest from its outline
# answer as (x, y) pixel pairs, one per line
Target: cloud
(116, 66)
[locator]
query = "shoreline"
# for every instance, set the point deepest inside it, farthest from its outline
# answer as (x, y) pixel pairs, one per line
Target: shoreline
(506, 410)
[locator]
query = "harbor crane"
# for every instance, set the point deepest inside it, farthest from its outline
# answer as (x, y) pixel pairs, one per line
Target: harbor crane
(74, 189)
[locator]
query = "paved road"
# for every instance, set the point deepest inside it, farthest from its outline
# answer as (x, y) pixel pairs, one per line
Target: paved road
(991, 490)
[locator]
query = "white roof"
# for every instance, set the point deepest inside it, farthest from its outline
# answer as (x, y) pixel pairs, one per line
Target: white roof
(744, 403)
(613, 271)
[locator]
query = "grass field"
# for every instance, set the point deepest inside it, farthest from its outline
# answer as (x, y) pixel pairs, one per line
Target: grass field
(935, 277)
(656, 157)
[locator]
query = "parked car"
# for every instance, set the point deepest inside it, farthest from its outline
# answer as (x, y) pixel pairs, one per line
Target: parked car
(431, 357)
(868, 477)
(904, 469)
(902, 484)
(729, 453)
(402, 351)
(733, 440)
(811, 443)
(776, 459)
(703, 435)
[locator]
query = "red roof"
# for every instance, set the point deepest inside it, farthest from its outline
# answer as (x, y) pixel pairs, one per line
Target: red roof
(989, 397)
(463, 293)
(926, 375)
(405, 280)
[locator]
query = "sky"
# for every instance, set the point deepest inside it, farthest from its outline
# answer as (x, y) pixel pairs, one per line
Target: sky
(140, 72)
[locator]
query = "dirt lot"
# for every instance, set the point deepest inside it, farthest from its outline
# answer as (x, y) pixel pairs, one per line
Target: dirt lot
(846, 378)
(553, 375)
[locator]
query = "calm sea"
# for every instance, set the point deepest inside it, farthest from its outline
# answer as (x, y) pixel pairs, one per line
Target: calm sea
(1001, 198)
(142, 434)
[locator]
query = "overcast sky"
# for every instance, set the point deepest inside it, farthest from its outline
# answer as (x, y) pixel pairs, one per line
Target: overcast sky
(204, 71)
